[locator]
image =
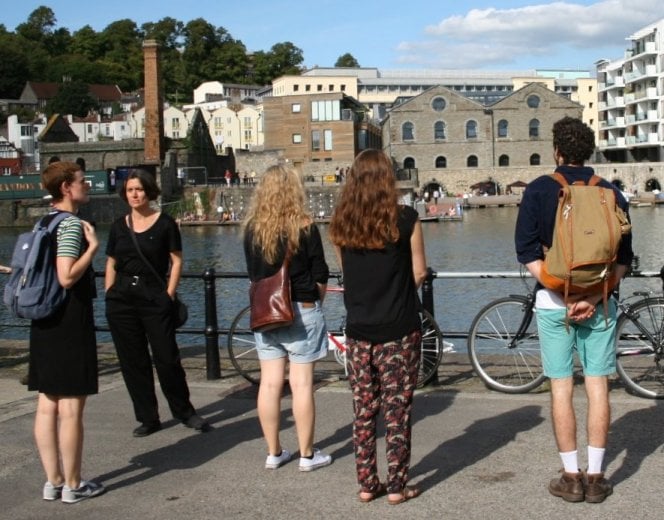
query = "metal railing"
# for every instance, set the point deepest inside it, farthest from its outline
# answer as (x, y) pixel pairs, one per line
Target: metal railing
(211, 330)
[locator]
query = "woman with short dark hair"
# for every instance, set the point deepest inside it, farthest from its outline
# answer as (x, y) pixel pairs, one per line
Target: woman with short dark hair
(140, 309)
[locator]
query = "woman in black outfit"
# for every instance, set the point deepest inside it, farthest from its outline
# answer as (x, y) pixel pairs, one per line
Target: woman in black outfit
(139, 307)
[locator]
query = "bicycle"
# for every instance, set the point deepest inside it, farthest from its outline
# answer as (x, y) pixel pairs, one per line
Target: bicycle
(242, 347)
(503, 344)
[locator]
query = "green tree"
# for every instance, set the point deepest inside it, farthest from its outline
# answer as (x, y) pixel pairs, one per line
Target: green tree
(40, 24)
(73, 98)
(346, 60)
(88, 43)
(14, 67)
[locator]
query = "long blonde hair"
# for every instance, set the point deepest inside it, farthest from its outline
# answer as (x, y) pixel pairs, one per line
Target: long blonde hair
(276, 212)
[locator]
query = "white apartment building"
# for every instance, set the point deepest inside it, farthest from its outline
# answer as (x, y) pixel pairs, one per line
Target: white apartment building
(239, 129)
(631, 99)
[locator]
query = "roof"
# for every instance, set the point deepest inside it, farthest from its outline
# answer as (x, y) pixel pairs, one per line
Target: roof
(100, 92)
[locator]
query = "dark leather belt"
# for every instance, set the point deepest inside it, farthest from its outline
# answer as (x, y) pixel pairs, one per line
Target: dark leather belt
(134, 280)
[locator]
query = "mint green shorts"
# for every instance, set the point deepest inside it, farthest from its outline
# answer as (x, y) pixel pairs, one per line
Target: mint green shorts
(592, 339)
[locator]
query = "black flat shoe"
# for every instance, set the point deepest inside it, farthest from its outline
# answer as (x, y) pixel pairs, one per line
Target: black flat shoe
(197, 423)
(147, 429)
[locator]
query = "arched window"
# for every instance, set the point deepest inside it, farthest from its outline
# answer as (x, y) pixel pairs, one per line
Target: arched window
(535, 159)
(504, 160)
(408, 163)
(441, 162)
(502, 128)
(472, 162)
(533, 128)
(471, 130)
(408, 131)
(439, 130)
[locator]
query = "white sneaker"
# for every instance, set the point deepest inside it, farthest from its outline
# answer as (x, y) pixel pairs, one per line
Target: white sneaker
(317, 461)
(276, 461)
(52, 492)
(86, 489)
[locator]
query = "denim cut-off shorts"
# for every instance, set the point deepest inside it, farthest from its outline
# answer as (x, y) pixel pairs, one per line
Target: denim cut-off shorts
(304, 341)
(593, 339)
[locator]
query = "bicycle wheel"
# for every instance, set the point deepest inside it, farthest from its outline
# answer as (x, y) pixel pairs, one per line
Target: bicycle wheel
(639, 348)
(242, 348)
(505, 362)
(431, 349)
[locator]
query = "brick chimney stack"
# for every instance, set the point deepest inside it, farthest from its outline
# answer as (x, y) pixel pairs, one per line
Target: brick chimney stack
(154, 120)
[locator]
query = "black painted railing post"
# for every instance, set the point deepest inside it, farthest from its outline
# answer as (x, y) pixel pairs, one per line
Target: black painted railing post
(427, 291)
(211, 328)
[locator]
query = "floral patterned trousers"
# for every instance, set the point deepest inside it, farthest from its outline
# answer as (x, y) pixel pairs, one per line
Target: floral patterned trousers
(383, 374)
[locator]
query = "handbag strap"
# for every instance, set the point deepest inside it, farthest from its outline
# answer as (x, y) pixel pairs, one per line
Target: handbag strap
(140, 253)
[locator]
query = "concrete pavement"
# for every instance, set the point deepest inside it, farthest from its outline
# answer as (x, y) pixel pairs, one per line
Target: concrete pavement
(476, 454)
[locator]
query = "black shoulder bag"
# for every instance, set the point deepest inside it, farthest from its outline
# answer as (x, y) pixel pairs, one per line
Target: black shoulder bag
(180, 311)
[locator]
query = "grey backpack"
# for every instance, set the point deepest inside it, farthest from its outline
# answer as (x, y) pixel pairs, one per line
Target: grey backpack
(33, 290)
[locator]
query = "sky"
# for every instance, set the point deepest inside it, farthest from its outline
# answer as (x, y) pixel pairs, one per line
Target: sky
(388, 34)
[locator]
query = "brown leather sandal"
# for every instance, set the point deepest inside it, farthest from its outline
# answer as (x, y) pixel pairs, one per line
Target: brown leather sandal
(407, 493)
(370, 496)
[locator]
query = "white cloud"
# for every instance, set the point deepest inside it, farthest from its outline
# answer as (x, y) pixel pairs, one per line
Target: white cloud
(496, 37)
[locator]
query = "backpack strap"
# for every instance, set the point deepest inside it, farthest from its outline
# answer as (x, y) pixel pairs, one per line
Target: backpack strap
(594, 180)
(560, 179)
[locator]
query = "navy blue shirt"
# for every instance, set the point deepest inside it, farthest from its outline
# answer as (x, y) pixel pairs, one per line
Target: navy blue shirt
(537, 214)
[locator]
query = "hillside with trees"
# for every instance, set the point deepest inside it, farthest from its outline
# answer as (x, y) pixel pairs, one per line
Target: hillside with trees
(192, 52)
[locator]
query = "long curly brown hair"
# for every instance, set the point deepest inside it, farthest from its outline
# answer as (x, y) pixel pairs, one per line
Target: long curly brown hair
(276, 212)
(366, 214)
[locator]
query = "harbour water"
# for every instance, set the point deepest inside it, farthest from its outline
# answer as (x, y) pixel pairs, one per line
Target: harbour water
(482, 242)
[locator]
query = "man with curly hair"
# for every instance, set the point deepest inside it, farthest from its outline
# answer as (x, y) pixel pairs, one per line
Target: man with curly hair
(575, 325)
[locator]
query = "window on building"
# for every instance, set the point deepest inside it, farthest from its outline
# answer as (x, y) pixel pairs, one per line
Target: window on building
(343, 88)
(502, 128)
(89, 128)
(438, 104)
(217, 122)
(315, 140)
(296, 108)
(330, 88)
(329, 110)
(471, 130)
(504, 160)
(439, 130)
(307, 88)
(409, 163)
(533, 101)
(296, 88)
(535, 159)
(533, 128)
(407, 131)
(327, 140)
(175, 123)
(319, 88)
(472, 161)
(247, 136)
(441, 162)
(297, 138)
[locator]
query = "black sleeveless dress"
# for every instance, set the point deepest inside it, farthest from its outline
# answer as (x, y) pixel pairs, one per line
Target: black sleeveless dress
(63, 347)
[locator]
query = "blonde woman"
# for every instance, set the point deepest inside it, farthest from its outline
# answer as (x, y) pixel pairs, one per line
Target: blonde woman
(277, 222)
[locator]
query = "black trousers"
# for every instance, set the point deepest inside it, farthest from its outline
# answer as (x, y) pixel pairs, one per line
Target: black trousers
(139, 314)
